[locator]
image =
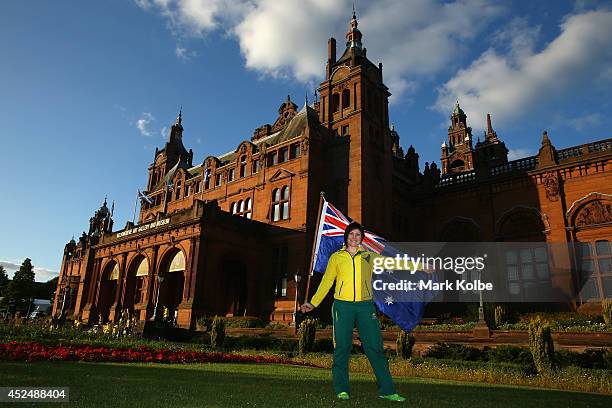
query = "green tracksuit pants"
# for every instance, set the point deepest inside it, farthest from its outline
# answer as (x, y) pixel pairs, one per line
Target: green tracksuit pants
(363, 314)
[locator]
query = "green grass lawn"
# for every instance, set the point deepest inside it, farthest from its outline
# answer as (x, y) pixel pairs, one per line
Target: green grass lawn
(250, 385)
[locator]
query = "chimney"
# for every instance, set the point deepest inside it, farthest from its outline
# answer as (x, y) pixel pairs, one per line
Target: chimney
(331, 50)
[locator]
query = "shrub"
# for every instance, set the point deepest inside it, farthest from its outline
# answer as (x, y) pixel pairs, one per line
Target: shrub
(510, 354)
(246, 322)
(204, 323)
(606, 311)
(500, 315)
(541, 345)
(217, 336)
(323, 346)
(306, 335)
(454, 352)
(405, 343)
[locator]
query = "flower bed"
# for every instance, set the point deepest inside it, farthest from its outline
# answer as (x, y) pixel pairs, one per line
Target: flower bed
(31, 351)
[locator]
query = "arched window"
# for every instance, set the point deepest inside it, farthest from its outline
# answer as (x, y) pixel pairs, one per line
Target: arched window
(346, 99)
(280, 204)
(249, 208)
(335, 102)
(244, 208)
(233, 208)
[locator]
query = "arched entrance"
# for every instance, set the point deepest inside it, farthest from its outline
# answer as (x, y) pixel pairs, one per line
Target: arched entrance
(108, 289)
(171, 282)
(135, 283)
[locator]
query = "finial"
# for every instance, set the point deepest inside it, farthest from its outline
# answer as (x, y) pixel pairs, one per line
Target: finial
(179, 118)
(489, 127)
(288, 98)
(306, 98)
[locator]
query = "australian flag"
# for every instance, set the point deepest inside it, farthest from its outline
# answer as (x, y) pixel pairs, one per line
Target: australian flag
(406, 311)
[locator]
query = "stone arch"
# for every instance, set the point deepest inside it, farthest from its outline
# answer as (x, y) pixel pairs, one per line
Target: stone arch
(135, 282)
(522, 223)
(590, 210)
(460, 229)
(171, 280)
(109, 280)
(457, 164)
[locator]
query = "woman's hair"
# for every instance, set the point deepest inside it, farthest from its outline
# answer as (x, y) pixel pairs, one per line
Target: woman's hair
(353, 226)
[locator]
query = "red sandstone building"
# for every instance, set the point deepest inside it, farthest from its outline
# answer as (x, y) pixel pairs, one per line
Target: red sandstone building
(226, 235)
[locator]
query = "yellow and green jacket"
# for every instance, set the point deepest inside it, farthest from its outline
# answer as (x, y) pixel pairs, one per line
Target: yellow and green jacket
(352, 274)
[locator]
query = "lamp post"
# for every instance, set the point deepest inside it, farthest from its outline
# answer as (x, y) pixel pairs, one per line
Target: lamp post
(160, 279)
(482, 329)
(297, 278)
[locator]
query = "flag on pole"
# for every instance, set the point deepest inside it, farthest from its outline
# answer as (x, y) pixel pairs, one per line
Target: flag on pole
(142, 196)
(405, 312)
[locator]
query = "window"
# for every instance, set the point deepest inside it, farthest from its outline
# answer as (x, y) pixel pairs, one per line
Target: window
(345, 130)
(230, 175)
(595, 265)
(335, 102)
(187, 190)
(198, 184)
(283, 155)
(217, 180)
(255, 167)
(294, 151)
(272, 159)
(280, 204)
(279, 267)
(177, 190)
(526, 268)
(346, 99)
(249, 209)
(206, 179)
(233, 208)
(243, 166)
(244, 208)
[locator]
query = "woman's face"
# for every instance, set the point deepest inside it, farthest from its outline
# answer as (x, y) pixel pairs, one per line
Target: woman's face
(354, 238)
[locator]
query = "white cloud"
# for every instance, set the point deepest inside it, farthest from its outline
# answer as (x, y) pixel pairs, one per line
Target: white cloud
(581, 123)
(40, 274)
(520, 80)
(184, 54)
(164, 132)
(514, 154)
(288, 38)
(142, 123)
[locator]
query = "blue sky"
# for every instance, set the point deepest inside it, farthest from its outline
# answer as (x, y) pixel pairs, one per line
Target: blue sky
(88, 91)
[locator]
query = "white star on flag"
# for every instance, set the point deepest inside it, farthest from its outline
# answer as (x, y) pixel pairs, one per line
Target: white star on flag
(389, 300)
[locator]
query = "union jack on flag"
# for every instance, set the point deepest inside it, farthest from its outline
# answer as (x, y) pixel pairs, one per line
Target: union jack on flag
(330, 237)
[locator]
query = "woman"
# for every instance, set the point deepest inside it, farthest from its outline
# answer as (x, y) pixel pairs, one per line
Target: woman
(350, 269)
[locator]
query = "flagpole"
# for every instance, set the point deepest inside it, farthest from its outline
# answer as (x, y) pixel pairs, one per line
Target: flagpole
(135, 203)
(314, 244)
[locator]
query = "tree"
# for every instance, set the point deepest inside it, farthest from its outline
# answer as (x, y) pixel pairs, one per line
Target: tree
(21, 288)
(3, 279)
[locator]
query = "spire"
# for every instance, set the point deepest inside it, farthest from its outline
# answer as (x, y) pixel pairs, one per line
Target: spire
(179, 118)
(490, 134)
(353, 36)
